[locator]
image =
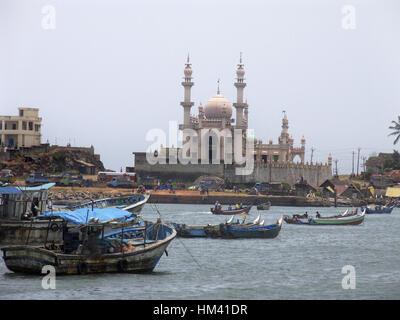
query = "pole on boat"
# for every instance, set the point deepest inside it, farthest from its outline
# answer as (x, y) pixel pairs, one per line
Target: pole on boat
(47, 232)
(122, 239)
(144, 234)
(29, 232)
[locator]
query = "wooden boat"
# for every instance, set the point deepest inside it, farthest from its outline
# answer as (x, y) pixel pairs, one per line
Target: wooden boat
(347, 213)
(131, 203)
(379, 209)
(18, 207)
(264, 206)
(347, 220)
(255, 231)
(244, 210)
(204, 231)
(87, 249)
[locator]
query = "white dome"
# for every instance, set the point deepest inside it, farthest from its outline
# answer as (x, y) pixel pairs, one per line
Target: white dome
(218, 107)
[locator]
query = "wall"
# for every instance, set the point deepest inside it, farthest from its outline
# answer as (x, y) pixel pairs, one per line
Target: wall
(288, 173)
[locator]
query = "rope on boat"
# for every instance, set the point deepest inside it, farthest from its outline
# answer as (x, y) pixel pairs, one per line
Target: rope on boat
(154, 207)
(198, 264)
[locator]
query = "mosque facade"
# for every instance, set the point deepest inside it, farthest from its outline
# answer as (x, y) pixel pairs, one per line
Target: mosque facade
(211, 136)
(216, 117)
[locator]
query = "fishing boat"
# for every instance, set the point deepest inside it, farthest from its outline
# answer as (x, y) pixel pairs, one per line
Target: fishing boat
(244, 210)
(347, 213)
(264, 206)
(346, 220)
(254, 231)
(131, 203)
(204, 231)
(379, 209)
(87, 248)
(18, 208)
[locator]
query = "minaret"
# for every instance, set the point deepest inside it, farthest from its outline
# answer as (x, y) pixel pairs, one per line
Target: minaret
(240, 85)
(284, 138)
(187, 84)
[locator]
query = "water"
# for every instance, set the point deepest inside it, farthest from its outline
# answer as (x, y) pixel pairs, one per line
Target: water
(303, 262)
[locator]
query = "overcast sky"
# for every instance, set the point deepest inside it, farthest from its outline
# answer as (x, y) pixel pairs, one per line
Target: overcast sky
(111, 70)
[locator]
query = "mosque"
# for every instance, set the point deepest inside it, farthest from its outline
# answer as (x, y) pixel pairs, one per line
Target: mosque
(214, 130)
(216, 116)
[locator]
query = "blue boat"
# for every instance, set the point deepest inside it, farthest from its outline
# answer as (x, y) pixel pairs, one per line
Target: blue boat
(203, 231)
(379, 209)
(254, 231)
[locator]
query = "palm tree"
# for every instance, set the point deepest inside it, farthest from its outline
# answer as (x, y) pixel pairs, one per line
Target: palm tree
(396, 130)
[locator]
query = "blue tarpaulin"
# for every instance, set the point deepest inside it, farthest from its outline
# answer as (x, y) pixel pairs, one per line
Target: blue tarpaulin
(83, 215)
(16, 190)
(9, 190)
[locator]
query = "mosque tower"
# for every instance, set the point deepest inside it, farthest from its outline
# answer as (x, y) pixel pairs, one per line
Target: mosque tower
(239, 104)
(187, 85)
(284, 137)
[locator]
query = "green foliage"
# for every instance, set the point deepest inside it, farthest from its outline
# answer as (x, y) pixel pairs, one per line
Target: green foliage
(396, 130)
(368, 174)
(357, 185)
(392, 162)
(286, 186)
(59, 156)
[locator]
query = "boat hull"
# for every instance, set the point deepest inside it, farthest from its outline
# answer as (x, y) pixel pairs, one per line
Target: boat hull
(31, 260)
(128, 203)
(231, 212)
(379, 211)
(347, 221)
(252, 232)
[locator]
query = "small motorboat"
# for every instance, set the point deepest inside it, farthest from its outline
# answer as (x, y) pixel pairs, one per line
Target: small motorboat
(254, 231)
(264, 206)
(346, 220)
(243, 210)
(379, 209)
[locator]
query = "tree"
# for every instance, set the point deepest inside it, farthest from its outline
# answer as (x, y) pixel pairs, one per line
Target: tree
(396, 130)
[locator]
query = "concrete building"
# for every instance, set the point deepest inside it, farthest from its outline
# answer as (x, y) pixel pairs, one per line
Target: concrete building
(23, 130)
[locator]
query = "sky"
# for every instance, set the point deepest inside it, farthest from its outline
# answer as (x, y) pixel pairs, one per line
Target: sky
(104, 73)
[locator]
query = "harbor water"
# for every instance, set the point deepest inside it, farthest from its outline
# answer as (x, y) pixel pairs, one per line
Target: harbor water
(303, 262)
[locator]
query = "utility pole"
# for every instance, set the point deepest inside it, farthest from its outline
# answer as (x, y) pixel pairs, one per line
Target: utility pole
(352, 168)
(336, 172)
(358, 160)
(363, 159)
(312, 152)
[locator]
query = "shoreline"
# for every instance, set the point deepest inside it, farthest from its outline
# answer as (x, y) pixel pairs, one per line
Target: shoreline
(71, 195)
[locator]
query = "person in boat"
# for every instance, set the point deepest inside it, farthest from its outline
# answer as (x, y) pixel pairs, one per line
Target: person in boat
(241, 205)
(318, 215)
(306, 214)
(229, 207)
(236, 206)
(34, 207)
(216, 205)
